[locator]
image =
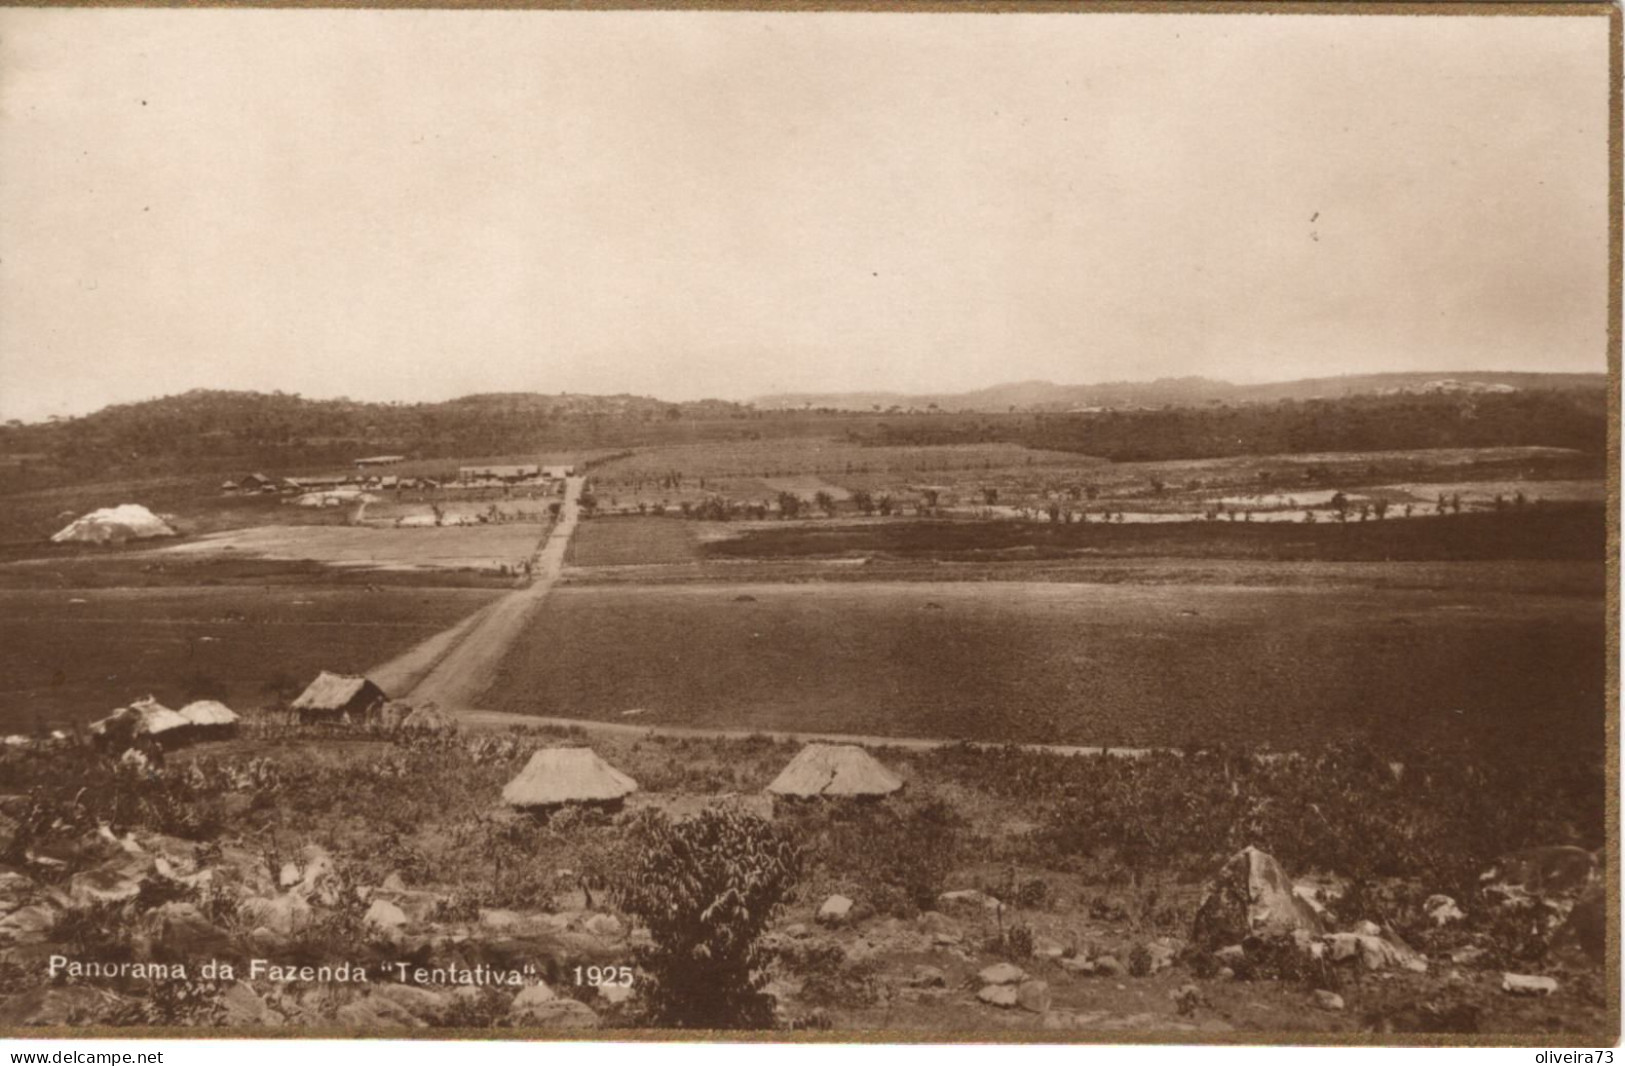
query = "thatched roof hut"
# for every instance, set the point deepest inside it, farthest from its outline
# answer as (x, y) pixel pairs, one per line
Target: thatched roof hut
(210, 718)
(834, 770)
(143, 719)
(332, 697)
(567, 775)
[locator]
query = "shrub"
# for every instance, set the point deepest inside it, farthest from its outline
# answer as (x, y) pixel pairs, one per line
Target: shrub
(706, 888)
(1033, 894)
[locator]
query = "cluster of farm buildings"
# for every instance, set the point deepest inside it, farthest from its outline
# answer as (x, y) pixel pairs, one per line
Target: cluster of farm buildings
(368, 477)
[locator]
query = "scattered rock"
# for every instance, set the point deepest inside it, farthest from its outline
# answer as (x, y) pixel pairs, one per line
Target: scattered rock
(999, 995)
(927, 977)
(283, 915)
(1374, 952)
(112, 882)
(372, 1010)
(1002, 973)
(289, 875)
(59, 1006)
(27, 925)
(1328, 1000)
(1109, 966)
(1186, 999)
(1468, 955)
(185, 934)
(394, 883)
(1251, 896)
(1231, 953)
(969, 897)
(532, 995)
(1442, 910)
(797, 931)
(613, 994)
(499, 919)
(1077, 964)
(1163, 951)
(835, 910)
(385, 915)
(1045, 948)
(240, 1006)
(1320, 891)
(535, 1010)
(604, 925)
(1033, 996)
(1518, 984)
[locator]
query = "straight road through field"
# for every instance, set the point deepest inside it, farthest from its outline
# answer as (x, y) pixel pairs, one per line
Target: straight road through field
(455, 667)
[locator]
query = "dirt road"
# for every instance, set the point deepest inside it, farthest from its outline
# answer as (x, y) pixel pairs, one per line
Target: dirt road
(455, 667)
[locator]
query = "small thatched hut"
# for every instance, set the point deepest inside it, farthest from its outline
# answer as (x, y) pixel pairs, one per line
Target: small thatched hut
(834, 770)
(145, 720)
(338, 698)
(210, 719)
(556, 776)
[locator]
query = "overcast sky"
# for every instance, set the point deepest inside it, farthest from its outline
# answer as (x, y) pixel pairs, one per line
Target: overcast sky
(418, 205)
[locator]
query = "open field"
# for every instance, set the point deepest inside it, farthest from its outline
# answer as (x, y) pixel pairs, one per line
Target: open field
(1552, 532)
(1081, 664)
(636, 541)
(474, 547)
(71, 657)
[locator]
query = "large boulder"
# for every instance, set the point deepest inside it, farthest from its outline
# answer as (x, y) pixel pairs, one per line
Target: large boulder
(1251, 897)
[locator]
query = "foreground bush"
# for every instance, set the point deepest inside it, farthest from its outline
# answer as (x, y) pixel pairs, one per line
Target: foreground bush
(707, 888)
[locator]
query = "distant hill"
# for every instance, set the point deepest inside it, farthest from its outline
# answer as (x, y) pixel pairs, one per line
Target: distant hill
(1182, 392)
(212, 430)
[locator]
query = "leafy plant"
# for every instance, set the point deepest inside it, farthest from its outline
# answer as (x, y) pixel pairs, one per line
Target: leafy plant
(706, 888)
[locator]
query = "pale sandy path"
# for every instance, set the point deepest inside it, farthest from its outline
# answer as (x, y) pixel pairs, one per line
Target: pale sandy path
(455, 667)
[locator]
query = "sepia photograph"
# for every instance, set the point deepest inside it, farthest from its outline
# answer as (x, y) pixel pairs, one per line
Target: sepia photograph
(953, 522)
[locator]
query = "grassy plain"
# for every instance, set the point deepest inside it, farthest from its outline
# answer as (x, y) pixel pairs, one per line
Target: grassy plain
(1133, 664)
(73, 655)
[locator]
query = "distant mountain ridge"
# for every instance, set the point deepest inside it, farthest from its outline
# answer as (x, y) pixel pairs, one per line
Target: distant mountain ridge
(1180, 391)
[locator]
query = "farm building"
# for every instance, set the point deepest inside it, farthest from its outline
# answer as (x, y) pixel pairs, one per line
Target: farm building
(556, 776)
(258, 483)
(338, 697)
(228, 486)
(145, 719)
(114, 525)
(379, 460)
(558, 473)
(834, 770)
(209, 719)
(498, 473)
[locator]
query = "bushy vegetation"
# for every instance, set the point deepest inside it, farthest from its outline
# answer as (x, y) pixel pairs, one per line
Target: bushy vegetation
(1433, 815)
(707, 887)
